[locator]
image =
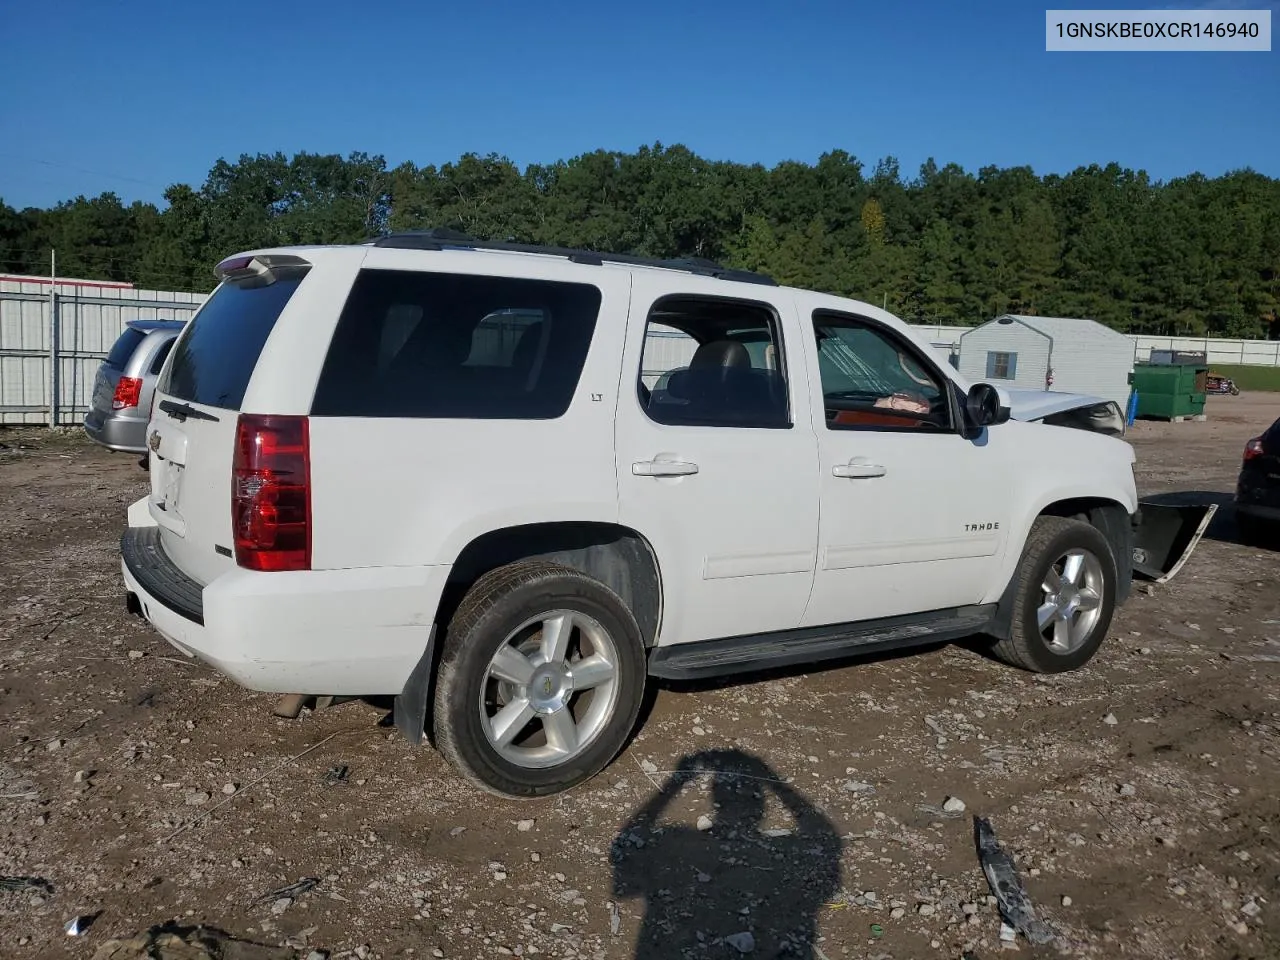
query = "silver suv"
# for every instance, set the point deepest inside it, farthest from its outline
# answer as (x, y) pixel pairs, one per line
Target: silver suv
(126, 382)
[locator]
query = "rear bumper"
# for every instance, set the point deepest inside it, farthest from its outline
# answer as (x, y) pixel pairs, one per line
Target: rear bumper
(319, 632)
(1258, 495)
(116, 433)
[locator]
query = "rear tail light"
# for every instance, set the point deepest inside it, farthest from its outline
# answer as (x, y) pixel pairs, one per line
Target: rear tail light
(1253, 449)
(271, 493)
(128, 392)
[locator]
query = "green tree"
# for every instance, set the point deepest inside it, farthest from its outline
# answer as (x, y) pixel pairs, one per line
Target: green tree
(1192, 255)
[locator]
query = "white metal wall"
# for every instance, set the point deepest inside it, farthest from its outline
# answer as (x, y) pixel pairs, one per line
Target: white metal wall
(665, 348)
(89, 319)
(1088, 358)
(1265, 353)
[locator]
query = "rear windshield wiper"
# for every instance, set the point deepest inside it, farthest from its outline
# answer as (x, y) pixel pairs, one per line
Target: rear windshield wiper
(181, 411)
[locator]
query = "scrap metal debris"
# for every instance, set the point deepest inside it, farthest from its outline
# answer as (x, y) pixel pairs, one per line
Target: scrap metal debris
(938, 812)
(189, 943)
(79, 926)
(291, 892)
(1014, 904)
(25, 884)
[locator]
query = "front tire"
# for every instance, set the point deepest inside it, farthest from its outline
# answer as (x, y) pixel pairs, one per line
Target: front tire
(542, 671)
(1064, 598)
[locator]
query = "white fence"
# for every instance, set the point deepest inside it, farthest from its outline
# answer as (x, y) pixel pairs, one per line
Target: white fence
(1262, 353)
(54, 336)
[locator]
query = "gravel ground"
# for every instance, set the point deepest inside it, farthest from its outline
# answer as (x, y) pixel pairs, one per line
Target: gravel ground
(1139, 794)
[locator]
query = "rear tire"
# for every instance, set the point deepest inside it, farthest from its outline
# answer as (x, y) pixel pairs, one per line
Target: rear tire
(541, 675)
(1064, 597)
(1258, 533)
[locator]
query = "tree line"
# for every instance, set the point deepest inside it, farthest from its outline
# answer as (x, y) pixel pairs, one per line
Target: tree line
(1194, 255)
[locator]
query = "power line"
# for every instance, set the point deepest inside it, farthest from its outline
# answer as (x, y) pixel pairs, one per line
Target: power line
(77, 169)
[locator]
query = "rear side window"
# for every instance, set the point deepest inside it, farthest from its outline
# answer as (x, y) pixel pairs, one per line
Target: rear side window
(158, 360)
(123, 348)
(712, 362)
(438, 345)
(214, 359)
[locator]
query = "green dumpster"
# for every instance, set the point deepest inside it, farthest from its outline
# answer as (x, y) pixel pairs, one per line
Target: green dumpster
(1167, 391)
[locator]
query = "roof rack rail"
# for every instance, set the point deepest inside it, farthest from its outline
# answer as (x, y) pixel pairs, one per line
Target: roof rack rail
(441, 238)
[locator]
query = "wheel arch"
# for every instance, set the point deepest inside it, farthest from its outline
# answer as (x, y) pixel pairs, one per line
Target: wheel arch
(618, 556)
(1109, 517)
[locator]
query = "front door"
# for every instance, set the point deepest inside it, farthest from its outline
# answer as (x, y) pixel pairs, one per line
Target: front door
(914, 514)
(716, 456)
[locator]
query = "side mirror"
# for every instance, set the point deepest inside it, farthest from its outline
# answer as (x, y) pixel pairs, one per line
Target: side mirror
(984, 407)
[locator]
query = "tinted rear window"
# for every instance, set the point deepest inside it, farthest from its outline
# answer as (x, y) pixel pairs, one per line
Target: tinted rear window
(158, 360)
(414, 344)
(123, 348)
(214, 359)
(1271, 440)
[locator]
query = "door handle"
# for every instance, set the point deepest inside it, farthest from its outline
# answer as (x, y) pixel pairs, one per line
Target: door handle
(858, 470)
(664, 468)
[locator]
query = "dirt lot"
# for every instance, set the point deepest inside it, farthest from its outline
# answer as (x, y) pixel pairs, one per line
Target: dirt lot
(1141, 794)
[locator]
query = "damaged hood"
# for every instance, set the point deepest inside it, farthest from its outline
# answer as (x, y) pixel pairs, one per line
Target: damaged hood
(1037, 404)
(1031, 405)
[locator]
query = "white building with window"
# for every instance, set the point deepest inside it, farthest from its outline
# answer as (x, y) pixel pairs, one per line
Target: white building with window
(1050, 353)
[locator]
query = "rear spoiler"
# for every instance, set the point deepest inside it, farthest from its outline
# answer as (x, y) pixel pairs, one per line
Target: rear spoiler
(1164, 536)
(260, 269)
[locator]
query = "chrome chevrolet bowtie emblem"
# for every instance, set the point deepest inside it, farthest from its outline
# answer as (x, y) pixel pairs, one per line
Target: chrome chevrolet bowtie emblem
(153, 441)
(546, 686)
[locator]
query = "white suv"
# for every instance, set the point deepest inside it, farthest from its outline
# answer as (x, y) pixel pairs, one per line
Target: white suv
(509, 484)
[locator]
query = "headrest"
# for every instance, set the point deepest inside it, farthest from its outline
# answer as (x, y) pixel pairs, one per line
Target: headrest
(720, 353)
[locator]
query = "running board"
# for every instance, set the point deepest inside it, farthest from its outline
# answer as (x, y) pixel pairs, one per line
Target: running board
(713, 658)
(1166, 535)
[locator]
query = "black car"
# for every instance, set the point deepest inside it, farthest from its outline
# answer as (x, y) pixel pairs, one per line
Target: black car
(1258, 490)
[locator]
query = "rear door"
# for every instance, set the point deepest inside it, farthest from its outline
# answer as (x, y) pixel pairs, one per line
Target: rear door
(716, 457)
(192, 431)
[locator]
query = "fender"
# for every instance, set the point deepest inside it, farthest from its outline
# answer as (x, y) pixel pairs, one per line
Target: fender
(1087, 495)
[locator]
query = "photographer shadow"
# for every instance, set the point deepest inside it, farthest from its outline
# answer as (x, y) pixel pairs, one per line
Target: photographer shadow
(732, 887)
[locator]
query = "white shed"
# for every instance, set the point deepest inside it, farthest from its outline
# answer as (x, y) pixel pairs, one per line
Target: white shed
(1050, 353)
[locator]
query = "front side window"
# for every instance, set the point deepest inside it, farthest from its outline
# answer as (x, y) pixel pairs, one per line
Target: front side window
(437, 345)
(713, 363)
(873, 380)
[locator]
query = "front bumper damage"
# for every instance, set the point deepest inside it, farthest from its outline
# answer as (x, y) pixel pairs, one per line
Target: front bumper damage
(1165, 535)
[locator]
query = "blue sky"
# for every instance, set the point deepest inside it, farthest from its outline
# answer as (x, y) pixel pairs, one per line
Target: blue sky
(132, 96)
